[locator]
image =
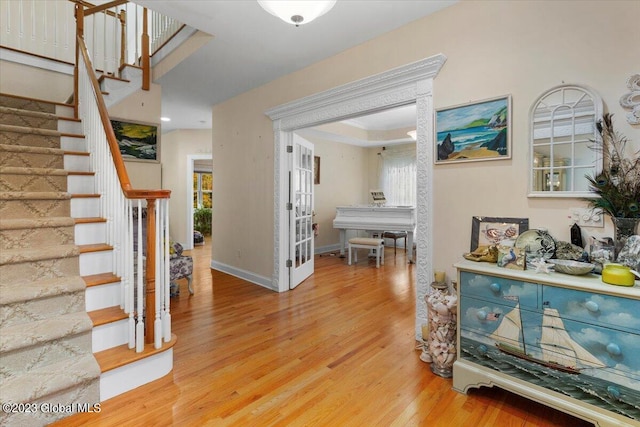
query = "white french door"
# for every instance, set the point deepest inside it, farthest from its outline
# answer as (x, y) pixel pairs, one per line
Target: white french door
(301, 212)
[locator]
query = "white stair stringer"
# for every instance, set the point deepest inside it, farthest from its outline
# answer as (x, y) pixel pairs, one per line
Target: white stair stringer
(109, 335)
(77, 162)
(69, 126)
(85, 207)
(136, 374)
(88, 233)
(80, 184)
(105, 294)
(96, 263)
(102, 296)
(72, 143)
(64, 111)
(118, 89)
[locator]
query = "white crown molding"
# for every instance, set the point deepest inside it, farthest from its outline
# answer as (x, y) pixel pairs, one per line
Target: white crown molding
(412, 83)
(388, 89)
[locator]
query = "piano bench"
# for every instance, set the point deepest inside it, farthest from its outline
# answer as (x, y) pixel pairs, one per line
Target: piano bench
(395, 235)
(367, 243)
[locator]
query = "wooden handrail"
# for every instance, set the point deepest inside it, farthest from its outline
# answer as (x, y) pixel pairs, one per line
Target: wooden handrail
(166, 42)
(123, 176)
(96, 9)
(85, 9)
(130, 193)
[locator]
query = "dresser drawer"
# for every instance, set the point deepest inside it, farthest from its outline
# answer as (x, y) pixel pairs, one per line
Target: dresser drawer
(569, 336)
(482, 320)
(499, 289)
(602, 352)
(597, 309)
(551, 342)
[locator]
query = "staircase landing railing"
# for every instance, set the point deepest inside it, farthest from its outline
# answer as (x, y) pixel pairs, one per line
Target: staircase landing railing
(117, 33)
(143, 269)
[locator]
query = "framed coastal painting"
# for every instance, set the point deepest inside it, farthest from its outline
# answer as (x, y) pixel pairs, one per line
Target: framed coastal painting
(137, 141)
(487, 230)
(473, 132)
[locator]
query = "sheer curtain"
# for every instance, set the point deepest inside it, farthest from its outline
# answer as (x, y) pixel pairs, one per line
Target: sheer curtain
(398, 177)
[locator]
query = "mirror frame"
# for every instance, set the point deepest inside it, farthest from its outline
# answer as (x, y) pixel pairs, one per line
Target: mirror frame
(594, 138)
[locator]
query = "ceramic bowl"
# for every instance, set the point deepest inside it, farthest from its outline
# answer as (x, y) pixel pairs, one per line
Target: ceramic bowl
(575, 268)
(618, 274)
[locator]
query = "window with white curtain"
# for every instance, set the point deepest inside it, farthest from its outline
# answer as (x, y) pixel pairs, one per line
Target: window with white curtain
(398, 177)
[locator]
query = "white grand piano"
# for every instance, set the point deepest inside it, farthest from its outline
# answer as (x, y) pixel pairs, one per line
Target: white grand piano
(376, 219)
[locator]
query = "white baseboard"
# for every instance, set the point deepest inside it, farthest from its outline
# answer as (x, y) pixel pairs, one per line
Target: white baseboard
(325, 249)
(244, 275)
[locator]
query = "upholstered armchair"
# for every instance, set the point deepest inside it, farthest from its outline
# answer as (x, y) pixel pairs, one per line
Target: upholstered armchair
(180, 267)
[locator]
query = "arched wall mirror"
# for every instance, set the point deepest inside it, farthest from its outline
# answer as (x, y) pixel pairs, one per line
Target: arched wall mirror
(563, 142)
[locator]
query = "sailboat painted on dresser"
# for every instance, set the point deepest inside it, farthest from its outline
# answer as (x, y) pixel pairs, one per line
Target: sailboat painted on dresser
(559, 350)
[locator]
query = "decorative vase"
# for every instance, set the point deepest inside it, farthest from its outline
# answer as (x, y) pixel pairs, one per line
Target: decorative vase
(623, 228)
(441, 343)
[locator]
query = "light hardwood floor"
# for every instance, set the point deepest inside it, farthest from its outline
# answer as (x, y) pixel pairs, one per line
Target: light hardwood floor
(337, 351)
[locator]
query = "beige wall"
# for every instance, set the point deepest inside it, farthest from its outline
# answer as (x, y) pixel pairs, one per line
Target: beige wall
(343, 182)
(177, 146)
(493, 48)
(25, 80)
(242, 227)
(143, 106)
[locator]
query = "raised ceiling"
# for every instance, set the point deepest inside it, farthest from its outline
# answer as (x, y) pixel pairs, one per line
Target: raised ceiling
(251, 47)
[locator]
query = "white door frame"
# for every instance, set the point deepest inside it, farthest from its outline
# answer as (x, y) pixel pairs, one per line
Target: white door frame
(189, 199)
(408, 84)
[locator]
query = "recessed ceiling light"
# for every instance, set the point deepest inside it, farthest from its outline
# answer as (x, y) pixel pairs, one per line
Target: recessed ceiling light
(165, 119)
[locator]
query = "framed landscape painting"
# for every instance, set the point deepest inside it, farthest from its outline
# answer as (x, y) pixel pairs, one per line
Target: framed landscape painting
(473, 132)
(137, 141)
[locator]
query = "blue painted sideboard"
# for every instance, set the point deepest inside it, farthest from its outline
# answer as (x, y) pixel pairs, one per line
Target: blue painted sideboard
(569, 342)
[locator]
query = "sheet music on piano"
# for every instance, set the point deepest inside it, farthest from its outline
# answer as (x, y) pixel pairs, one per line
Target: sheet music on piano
(378, 197)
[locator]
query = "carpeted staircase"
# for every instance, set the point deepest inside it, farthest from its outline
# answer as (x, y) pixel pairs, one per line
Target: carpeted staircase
(45, 332)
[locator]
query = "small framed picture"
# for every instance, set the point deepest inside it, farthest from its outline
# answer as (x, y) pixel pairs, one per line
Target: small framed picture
(511, 257)
(474, 131)
(316, 169)
(487, 230)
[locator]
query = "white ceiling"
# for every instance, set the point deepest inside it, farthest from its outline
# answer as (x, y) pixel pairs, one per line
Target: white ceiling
(400, 117)
(251, 47)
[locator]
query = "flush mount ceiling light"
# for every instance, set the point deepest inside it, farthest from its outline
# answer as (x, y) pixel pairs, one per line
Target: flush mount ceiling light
(297, 12)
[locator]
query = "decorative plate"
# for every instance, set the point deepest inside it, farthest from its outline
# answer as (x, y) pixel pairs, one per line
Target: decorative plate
(537, 243)
(576, 268)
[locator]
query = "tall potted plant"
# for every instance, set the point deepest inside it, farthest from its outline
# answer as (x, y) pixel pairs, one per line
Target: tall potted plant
(617, 187)
(202, 220)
